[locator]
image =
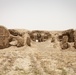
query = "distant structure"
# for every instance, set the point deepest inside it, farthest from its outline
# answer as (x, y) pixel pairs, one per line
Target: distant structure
(66, 37)
(6, 37)
(40, 36)
(12, 37)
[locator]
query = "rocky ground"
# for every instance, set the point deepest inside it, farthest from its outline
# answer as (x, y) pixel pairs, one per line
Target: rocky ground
(43, 58)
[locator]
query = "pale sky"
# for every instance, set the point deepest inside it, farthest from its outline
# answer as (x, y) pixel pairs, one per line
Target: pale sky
(38, 14)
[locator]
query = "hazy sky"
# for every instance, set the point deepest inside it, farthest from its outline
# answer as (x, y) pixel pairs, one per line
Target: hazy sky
(38, 14)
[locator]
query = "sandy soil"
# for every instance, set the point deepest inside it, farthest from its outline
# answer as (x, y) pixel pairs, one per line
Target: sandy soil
(43, 58)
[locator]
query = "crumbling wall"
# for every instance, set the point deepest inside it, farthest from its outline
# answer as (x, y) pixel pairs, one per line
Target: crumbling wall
(21, 39)
(67, 36)
(41, 36)
(4, 37)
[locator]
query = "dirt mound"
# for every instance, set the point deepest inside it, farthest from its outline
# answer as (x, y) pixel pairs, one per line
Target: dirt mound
(14, 32)
(4, 37)
(64, 43)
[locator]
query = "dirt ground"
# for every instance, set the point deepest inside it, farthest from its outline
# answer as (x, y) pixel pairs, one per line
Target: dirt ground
(42, 58)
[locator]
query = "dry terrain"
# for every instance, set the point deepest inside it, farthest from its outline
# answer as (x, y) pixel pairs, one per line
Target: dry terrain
(41, 58)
